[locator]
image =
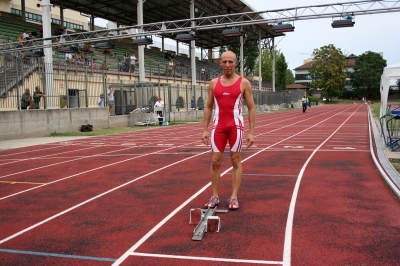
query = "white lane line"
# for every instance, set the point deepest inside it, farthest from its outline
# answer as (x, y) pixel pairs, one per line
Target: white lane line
(100, 195)
(267, 262)
(287, 249)
(44, 156)
(131, 251)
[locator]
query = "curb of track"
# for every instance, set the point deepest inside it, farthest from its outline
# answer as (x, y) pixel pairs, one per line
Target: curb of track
(390, 175)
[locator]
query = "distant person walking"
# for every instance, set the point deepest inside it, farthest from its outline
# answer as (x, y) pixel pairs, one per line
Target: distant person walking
(304, 103)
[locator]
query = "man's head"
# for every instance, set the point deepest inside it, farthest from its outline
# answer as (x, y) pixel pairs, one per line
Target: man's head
(159, 98)
(27, 90)
(37, 88)
(228, 62)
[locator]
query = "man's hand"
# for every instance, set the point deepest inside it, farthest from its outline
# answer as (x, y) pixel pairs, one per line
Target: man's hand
(206, 138)
(249, 140)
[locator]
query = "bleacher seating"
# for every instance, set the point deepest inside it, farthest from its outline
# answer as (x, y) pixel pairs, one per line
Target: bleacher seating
(10, 30)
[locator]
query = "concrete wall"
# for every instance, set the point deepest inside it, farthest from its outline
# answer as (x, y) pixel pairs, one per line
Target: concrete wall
(38, 123)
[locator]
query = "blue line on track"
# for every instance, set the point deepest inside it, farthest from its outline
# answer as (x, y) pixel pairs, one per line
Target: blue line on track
(55, 255)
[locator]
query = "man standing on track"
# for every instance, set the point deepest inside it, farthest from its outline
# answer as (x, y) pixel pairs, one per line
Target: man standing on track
(225, 95)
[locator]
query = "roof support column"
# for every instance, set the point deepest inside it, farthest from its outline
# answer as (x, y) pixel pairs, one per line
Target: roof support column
(241, 56)
(62, 13)
(162, 44)
(92, 22)
(193, 50)
(273, 63)
(259, 61)
(23, 10)
(140, 47)
(48, 54)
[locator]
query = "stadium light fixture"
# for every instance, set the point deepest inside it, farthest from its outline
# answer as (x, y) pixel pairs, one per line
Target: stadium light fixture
(104, 45)
(68, 49)
(232, 32)
(278, 28)
(186, 37)
(35, 54)
(143, 41)
(343, 23)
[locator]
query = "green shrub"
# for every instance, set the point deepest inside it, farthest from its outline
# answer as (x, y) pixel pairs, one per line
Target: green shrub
(313, 99)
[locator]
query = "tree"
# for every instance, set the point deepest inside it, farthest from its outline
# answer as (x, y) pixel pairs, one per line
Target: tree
(289, 77)
(367, 74)
(250, 55)
(266, 66)
(328, 70)
(280, 73)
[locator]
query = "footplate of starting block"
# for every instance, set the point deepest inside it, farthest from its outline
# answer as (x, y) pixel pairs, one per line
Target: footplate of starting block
(207, 222)
(213, 224)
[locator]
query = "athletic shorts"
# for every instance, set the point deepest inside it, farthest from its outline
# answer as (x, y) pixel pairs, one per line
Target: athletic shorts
(221, 136)
(110, 103)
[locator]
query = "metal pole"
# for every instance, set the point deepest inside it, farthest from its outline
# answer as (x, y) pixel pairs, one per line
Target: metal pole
(241, 56)
(192, 49)
(48, 54)
(140, 47)
(259, 61)
(273, 64)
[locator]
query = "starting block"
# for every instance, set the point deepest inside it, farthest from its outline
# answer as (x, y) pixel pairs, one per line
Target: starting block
(206, 221)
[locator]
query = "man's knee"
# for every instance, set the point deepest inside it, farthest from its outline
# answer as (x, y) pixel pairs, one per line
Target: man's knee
(216, 162)
(235, 159)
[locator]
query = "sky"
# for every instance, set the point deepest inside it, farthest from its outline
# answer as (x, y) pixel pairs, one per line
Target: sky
(377, 33)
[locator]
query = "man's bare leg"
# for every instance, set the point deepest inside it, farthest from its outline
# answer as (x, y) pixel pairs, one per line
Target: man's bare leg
(215, 172)
(236, 173)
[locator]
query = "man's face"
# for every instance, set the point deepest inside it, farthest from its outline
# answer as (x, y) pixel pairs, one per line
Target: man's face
(27, 91)
(228, 63)
(37, 88)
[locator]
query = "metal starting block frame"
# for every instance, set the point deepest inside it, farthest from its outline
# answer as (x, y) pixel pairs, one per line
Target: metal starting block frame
(206, 221)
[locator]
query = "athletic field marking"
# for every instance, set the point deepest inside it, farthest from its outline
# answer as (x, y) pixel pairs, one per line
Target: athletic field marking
(55, 255)
(293, 147)
(287, 249)
(168, 217)
(268, 262)
(15, 182)
(95, 197)
(344, 148)
(83, 157)
(43, 157)
(87, 171)
(11, 154)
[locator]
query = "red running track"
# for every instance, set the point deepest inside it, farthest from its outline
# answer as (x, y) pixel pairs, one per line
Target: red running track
(310, 195)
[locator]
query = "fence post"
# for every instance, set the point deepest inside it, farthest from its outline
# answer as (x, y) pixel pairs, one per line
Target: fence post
(86, 87)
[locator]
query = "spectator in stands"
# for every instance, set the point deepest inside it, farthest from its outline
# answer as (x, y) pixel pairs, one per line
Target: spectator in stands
(93, 64)
(108, 51)
(110, 100)
(170, 67)
(304, 103)
(26, 100)
(69, 58)
(100, 101)
(62, 33)
(192, 103)
(159, 103)
(21, 40)
(203, 73)
(133, 62)
(26, 36)
(104, 66)
(37, 95)
(79, 59)
(127, 61)
(41, 30)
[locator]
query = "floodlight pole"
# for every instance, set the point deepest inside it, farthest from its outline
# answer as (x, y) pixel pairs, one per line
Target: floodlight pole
(259, 61)
(141, 47)
(241, 55)
(193, 50)
(48, 54)
(273, 63)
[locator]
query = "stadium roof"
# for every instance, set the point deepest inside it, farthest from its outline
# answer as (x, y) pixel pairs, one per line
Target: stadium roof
(124, 12)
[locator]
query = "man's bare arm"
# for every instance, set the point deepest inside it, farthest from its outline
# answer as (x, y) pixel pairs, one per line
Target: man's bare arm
(208, 112)
(248, 96)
